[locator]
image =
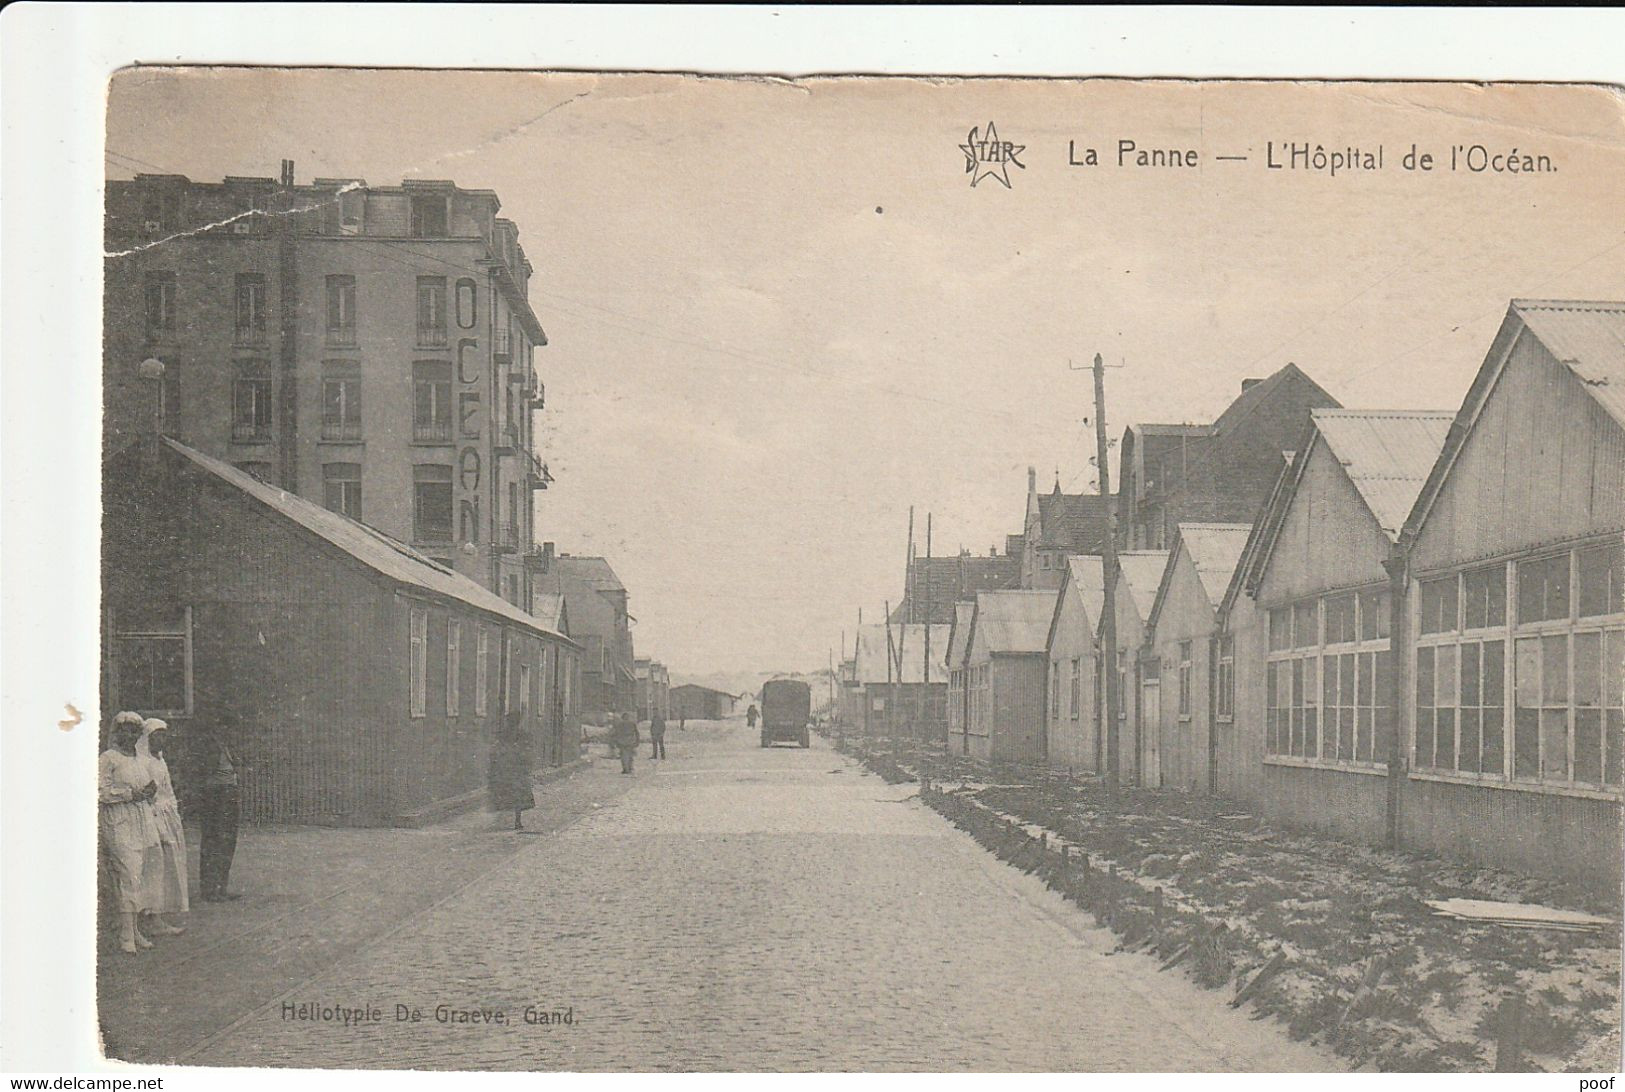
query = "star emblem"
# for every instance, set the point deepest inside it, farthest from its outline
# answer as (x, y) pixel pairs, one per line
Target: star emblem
(986, 156)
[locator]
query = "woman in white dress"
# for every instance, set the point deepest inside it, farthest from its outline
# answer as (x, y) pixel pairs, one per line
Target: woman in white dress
(127, 826)
(163, 875)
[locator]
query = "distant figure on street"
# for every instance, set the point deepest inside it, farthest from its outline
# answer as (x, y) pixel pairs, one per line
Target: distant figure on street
(682, 722)
(750, 717)
(163, 875)
(625, 740)
(126, 824)
(657, 734)
(221, 806)
(508, 780)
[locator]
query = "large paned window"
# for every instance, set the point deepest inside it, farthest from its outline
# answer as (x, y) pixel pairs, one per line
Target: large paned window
(1327, 681)
(1555, 654)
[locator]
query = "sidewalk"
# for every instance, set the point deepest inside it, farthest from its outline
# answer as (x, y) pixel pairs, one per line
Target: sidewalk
(1364, 966)
(312, 896)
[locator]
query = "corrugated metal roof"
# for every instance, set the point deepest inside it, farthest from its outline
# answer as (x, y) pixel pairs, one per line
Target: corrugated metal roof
(1142, 574)
(1215, 549)
(1014, 621)
(1387, 454)
(1086, 574)
(872, 652)
(384, 555)
(1588, 338)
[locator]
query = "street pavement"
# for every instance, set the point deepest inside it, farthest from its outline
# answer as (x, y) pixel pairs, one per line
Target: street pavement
(733, 908)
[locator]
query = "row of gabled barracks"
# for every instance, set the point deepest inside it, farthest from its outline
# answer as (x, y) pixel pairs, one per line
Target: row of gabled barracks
(1414, 635)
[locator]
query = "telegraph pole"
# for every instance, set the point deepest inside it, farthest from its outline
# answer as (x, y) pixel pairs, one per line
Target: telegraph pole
(925, 666)
(1108, 618)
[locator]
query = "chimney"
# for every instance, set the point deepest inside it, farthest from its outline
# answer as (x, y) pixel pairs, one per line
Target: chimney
(1032, 481)
(547, 557)
(1249, 384)
(287, 172)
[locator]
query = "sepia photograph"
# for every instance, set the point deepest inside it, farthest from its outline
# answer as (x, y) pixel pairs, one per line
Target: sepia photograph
(676, 571)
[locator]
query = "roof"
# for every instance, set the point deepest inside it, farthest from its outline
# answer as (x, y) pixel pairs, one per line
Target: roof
(1084, 578)
(699, 688)
(1014, 621)
(1141, 572)
(594, 570)
(1387, 455)
(1215, 549)
(1074, 522)
(1587, 338)
(1262, 533)
(959, 632)
(1258, 393)
(873, 646)
(386, 556)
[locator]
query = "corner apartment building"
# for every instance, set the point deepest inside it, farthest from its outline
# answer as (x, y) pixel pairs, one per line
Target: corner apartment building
(367, 347)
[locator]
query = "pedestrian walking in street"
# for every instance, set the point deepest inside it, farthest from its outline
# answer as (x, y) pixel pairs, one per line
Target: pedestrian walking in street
(625, 740)
(657, 734)
(750, 717)
(221, 807)
(126, 825)
(163, 874)
(509, 781)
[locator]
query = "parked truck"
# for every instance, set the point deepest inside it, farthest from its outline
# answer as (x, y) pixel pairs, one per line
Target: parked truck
(786, 712)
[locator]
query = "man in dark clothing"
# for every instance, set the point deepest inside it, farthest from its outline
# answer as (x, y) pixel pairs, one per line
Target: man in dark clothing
(624, 737)
(750, 717)
(657, 734)
(221, 807)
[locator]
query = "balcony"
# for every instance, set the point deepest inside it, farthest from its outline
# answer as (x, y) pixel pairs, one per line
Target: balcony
(341, 337)
(508, 538)
(431, 337)
(431, 432)
(503, 343)
(506, 438)
(539, 476)
(344, 432)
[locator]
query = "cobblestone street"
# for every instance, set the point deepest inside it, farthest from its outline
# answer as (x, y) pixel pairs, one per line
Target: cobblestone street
(749, 909)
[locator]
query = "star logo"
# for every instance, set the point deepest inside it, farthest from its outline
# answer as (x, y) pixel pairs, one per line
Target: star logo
(986, 156)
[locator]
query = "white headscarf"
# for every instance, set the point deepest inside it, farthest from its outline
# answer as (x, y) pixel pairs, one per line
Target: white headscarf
(143, 746)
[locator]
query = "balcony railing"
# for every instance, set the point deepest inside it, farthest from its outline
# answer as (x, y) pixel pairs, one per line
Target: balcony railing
(507, 437)
(503, 343)
(342, 431)
(432, 337)
(245, 432)
(431, 432)
(508, 537)
(539, 477)
(341, 337)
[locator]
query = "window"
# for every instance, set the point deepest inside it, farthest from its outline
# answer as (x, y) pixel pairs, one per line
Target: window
(431, 310)
(1227, 677)
(1484, 597)
(1340, 619)
(431, 503)
(1543, 589)
(1280, 629)
(482, 670)
(1601, 580)
(428, 217)
(1077, 688)
(160, 301)
(431, 402)
(1055, 690)
(341, 488)
(1184, 678)
(1328, 704)
(454, 667)
(1561, 726)
(465, 304)
(1438, 604)
(251, 402)
(250, 307)
(341, 401)
(341, 310)
(152, 662)
(420, 661)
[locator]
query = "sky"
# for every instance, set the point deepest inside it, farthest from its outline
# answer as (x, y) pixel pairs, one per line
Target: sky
(779, 314)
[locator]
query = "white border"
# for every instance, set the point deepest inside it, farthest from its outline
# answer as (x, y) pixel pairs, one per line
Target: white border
(56, 59)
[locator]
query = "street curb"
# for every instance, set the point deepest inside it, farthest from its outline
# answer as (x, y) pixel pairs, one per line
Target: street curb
(441, 810)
